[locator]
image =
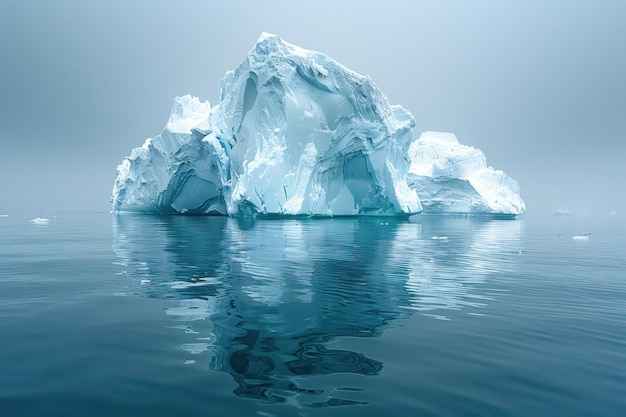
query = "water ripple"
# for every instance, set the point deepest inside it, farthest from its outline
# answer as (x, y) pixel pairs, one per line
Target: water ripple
(264, 299)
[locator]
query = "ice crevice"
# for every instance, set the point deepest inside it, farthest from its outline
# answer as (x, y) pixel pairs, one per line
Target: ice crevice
(297, 133)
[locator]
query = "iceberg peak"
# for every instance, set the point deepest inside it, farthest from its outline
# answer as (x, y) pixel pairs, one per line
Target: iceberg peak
(269, 42)
(265, 35)
(187, 112)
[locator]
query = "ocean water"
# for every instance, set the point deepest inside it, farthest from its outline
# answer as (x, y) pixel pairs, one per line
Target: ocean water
(133, 315)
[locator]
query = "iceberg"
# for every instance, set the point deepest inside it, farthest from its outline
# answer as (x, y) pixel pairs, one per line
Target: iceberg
(297, 133)
(453, 178)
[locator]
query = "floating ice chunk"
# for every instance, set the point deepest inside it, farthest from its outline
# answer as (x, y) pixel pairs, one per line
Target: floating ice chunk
(580, 237)
(4, 215)
(563, 212)
(439, 238)
(190, 362)
(40, 220)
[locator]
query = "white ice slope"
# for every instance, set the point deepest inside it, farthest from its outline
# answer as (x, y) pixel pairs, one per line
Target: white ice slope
(454, 178)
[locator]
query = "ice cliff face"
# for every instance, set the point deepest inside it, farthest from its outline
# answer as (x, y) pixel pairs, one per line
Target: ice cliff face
(454, 178)
(296, 133)
(178, 171)
(308, 136)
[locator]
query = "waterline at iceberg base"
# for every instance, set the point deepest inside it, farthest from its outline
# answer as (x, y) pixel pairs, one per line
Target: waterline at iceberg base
(298, 134)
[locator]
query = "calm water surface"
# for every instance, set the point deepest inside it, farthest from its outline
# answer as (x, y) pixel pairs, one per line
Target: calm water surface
(106, 314)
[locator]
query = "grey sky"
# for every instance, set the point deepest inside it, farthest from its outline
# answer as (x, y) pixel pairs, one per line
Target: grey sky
(540, 87)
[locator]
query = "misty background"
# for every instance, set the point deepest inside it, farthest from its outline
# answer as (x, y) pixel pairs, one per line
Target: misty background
(539, 87)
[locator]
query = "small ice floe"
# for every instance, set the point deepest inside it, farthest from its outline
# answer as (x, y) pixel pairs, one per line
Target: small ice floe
(190, 362)
(4, 215)
(40, 220)
(563, 212)
(581, 237)
(439, 238)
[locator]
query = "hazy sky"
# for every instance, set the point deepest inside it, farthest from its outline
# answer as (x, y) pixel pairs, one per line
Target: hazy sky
(538, 86)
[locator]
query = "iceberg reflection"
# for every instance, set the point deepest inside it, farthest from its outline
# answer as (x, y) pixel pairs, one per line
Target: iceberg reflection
(456, 256)
(266, 299)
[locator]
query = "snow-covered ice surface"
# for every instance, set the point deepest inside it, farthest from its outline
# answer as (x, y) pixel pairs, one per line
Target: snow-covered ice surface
(40, 220)
(297, 133)
(454, 178)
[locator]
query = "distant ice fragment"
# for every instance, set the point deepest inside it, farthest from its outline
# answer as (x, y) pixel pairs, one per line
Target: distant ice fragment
(563, 212)
(4, 215)
(40, 220)
(580, 237)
